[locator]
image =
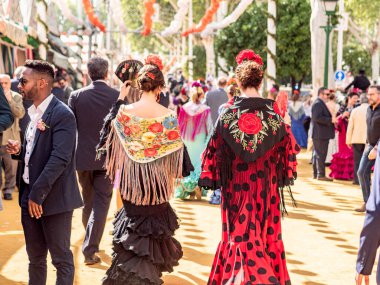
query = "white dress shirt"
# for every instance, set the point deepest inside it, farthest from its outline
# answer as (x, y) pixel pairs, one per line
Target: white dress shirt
(35, 115)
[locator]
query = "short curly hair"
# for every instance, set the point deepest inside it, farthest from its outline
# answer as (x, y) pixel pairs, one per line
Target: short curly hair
(150, 77)
(250, 74)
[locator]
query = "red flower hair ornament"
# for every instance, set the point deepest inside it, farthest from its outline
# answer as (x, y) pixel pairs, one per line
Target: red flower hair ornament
(249, 54)
(154, 60)
(150, 75)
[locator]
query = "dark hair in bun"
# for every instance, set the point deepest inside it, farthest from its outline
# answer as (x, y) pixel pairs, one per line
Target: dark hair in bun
(150, 77)
(250, 74)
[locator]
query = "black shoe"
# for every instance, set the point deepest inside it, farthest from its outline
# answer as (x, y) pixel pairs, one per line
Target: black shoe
(92, 260)
(8, 196)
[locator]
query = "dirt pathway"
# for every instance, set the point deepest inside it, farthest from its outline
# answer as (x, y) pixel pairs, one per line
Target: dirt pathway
(321, 238)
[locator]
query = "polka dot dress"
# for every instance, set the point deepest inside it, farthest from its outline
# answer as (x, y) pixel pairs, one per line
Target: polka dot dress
(251, 251)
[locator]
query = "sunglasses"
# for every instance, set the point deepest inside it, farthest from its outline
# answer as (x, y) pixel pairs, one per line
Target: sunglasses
(24, 81)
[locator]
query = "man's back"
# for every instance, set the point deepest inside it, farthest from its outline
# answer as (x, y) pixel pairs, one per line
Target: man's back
(90, 105)
(214, 99)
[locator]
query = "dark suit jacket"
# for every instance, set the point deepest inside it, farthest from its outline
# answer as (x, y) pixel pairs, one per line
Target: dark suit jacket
(370, 235)
(6, 117)
(52, 177)
(91, 105)
(323, 128)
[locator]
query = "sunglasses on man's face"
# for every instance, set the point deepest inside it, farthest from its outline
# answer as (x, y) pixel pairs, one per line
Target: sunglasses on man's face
(23, 81)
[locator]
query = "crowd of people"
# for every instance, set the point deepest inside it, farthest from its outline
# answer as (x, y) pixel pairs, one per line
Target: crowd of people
(155, 139)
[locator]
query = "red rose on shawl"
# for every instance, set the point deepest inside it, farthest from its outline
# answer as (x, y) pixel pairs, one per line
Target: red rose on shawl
(250, 124)
(173, 135)
(156, 146)
(156, 128)
(124, 119)
(127, 130)
(276, 109)
(150, 152)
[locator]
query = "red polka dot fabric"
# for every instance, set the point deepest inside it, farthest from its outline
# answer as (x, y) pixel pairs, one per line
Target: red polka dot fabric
(251, 250)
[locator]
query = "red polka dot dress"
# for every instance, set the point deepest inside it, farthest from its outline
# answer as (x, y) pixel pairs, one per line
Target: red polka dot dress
(251, 250)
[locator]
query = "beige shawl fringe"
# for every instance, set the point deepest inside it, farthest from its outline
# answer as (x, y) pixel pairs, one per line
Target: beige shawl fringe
(149, 183)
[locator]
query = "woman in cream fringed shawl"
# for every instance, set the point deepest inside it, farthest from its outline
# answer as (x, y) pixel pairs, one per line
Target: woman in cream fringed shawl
(145, 154)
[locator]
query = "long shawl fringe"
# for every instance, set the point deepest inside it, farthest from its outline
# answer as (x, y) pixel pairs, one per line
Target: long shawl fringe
(149, 183)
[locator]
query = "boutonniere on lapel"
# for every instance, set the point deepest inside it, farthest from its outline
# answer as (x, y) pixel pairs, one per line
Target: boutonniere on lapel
(41, 125)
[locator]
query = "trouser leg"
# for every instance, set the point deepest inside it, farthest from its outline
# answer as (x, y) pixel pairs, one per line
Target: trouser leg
(358, 153)
(364, 173)
(10, 170)
(36, 248)
(86, 181)
(57, 231)
(320, 152)
(95, 227)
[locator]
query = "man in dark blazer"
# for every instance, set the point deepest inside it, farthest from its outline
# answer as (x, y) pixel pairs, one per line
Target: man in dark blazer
(370, 235)
(48, 191)
(90, 105)
(323, 130)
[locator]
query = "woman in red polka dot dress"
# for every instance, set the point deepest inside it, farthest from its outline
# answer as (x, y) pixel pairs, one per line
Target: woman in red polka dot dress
(251, 157)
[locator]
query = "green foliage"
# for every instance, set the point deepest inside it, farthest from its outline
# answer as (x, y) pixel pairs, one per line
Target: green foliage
(364, 12)
(249, 31)
(356, 57)
(293, 38)
(199, 62)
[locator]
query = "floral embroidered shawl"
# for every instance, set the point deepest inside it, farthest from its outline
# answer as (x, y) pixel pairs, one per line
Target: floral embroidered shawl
(252, 132)
(144, 155)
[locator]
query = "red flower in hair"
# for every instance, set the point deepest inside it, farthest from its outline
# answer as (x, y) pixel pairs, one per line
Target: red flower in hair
(155, 60)
(150, 75)
(248, 54)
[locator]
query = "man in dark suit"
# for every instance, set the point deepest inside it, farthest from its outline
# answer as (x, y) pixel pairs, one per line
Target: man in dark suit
(48, 191)
(322, 131)
(90, 105)
(216, 98)
(370, 235)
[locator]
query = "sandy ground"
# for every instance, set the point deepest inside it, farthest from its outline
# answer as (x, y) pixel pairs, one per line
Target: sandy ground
(321, 238)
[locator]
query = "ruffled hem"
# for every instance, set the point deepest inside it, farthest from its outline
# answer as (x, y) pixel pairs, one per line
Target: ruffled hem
(158, 225)
(143, 247)
(250, 263)
(342, 166)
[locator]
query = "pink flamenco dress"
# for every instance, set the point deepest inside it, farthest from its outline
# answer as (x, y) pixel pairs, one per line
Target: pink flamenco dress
(342, 163)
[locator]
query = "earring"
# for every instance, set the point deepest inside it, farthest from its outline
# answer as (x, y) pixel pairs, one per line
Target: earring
(158, 97)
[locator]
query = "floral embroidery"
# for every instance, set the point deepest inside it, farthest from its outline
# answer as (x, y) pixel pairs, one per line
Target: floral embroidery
(156, 128)
(41, 125)
(147, 139)
(170, 122)
(250, 129)
(250, 123)
(173, 135)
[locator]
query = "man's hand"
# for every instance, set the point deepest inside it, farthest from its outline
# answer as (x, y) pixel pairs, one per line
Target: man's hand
(372, 154)
(359, 279)
(35, 210)
(13, 147)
